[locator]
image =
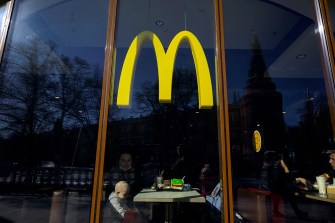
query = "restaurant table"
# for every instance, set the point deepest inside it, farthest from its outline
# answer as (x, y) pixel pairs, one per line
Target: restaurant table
(317, 196)
(169, 198)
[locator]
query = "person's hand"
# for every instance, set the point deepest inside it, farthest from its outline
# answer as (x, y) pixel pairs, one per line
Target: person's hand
(301, 180)
(307, 183)
(326, 176)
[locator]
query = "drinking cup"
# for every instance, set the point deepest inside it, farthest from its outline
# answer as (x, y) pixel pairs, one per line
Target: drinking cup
(321, 181)
(159, 181)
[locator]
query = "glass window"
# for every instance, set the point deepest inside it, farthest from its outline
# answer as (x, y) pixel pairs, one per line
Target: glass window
(50, 90)
(173, 138)
(280, 91)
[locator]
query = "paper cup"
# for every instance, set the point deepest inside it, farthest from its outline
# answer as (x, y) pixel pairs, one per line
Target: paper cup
(321, 181)
(159, 181)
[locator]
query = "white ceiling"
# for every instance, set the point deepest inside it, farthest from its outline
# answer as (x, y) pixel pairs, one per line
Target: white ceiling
(285, 26)
(276, 24)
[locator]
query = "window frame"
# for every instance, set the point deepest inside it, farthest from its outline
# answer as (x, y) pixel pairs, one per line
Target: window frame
(4, 30)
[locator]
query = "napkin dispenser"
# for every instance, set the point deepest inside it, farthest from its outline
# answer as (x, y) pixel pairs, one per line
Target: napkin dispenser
(177, 184)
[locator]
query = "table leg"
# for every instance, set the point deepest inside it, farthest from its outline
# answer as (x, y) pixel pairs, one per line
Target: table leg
(168, 213)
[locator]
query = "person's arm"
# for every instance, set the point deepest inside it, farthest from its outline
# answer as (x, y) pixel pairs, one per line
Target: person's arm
(301, 180)
(283, 164)
(304, 181)
(119, 205)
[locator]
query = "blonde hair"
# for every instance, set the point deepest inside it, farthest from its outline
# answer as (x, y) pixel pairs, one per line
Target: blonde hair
(122, 186)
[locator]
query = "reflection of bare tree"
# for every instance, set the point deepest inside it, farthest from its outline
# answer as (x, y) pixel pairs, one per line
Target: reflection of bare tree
(113, 109)
(315, 133)
(2, 86)
(180, 121)
(25, 107)
(184, 90)
(43, 93)
(76, 99)
(170, 124)
(76, 92)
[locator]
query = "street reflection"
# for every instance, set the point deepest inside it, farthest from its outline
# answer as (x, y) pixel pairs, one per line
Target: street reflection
(50, 81)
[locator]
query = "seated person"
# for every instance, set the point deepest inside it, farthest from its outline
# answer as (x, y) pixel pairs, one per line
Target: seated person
(118, 197)
(120, 211)
(329, 176)
(124, 172)
(206, 182)
(215, 197)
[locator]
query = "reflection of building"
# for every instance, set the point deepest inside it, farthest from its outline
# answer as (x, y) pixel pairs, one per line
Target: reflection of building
(261, 105)
(195, 128)
(236, 133)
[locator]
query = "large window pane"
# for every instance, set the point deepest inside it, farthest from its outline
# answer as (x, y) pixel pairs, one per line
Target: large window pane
(151, 131)
(280, 93)
(51, 75)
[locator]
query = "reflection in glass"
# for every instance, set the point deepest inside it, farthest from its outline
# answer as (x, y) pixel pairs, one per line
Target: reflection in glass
(331, 8)
(50, 81)
(173, 140)
(277, 86)
(2, 13)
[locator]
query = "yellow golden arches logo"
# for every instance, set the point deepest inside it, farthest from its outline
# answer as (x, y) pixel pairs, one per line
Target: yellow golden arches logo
(165, 65)
(257, 140)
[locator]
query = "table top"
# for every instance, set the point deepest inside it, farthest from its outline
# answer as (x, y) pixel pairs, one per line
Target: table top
(149, 195)
(329, 197)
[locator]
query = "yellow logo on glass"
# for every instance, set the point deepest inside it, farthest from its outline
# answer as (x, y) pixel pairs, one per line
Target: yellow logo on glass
(165, 65)
(257, 141)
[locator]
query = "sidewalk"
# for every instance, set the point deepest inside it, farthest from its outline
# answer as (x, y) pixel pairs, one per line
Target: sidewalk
(37, 209)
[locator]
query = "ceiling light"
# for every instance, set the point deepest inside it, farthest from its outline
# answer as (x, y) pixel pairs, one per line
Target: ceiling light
(300, 56)
(159, 23)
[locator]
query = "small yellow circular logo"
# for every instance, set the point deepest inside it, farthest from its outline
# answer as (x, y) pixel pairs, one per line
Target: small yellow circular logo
(257, 141)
